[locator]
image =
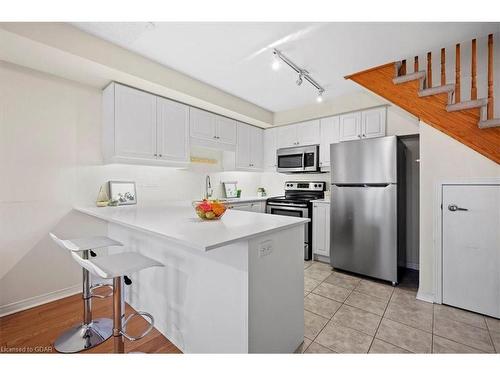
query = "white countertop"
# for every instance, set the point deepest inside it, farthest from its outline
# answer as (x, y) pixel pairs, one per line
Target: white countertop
(179, 223)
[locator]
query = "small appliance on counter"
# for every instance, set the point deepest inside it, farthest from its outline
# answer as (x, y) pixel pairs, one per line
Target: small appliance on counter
(297, 202)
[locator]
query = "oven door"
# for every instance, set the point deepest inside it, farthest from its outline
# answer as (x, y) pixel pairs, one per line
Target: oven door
(290, 161)
(287, 209)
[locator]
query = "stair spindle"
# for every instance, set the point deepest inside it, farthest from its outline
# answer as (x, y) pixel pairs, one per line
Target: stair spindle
(415, 64)
(473, 85)
(443, 67)
(490, 77)
(457, 73)
(402, 71)
(429, 70)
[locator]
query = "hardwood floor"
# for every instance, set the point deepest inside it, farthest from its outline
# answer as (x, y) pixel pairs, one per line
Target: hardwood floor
(35, 330)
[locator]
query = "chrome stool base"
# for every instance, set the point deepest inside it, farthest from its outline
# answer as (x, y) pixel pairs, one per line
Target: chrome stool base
(84, 336)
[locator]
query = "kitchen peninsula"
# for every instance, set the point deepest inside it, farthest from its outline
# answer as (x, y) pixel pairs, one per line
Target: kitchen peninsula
(233, 285)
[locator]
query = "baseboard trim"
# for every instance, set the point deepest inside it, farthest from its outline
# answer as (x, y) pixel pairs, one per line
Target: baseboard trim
(426, 297)
(28, 303)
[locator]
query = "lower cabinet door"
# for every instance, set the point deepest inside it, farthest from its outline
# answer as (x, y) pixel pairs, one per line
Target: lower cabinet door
(321, 229)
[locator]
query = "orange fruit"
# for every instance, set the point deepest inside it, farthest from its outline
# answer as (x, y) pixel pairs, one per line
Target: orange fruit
(218, 208)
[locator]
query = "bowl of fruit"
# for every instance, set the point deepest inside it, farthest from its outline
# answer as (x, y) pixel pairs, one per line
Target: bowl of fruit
(209, 209)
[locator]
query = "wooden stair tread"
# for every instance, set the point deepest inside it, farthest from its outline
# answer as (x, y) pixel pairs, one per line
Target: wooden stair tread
(409, 77)
(437, 90)
(468, 104)
(493, 123)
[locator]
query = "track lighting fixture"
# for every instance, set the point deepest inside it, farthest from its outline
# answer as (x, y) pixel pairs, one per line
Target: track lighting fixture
(303, 74)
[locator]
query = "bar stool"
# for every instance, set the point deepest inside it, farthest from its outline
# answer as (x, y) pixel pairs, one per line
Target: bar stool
(90, 332)
(117, 267)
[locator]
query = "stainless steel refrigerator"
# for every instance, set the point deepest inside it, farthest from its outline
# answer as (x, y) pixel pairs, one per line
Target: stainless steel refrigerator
(367, 206)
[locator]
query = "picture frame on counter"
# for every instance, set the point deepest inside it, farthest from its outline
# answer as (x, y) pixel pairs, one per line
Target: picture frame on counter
(122, 192)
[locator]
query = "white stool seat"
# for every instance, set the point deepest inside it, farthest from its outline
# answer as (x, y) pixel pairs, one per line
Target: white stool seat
(87, 243)
(122, 264)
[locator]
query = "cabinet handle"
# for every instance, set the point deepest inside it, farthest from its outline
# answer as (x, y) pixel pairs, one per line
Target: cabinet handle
(160, 155)
(359, 136)
(156, 154)
(364, 135)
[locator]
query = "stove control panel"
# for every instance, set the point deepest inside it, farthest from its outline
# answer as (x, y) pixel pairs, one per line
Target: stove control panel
(305, 185)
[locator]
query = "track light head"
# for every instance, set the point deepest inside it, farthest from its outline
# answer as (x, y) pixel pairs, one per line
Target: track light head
(299, 80)
(319, 98)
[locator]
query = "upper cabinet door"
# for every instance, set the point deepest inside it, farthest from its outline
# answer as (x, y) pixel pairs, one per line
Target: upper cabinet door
(373, 123)
(135, 123)
(329, 133)
(308, 133)
(172, 130)
(243, 146)
(350, 126)
(270, 146)
(225, 130)
(202, 124)
(256, 147)
(287, 136)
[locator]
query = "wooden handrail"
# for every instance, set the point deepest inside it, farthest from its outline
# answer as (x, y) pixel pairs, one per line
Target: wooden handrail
(415, 64)
(457, 73)
(443, 67)
(473, 84)
(429, 70)
(490, 77)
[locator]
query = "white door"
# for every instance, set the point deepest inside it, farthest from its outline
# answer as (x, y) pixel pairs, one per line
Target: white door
(135, 123)
(321, 229)
(225, 130)
(243, 146)
(308, 133)
(256, 148)
(287, 136)
(329, 133)
(471, 247)
(258, 207)
(350, 126)
(373, 123)
(242, 206)
(172, 120)
(202, 124)
(270, 147)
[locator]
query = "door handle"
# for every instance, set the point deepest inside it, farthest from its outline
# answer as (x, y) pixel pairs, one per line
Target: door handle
(454, 207)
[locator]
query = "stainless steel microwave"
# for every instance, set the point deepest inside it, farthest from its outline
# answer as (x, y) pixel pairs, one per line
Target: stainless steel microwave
(298, 159)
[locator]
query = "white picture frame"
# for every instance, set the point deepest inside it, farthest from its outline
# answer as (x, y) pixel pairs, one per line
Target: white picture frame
(123, 191)
(230, 189)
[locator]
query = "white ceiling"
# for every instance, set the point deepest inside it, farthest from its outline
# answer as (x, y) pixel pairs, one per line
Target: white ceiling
(237, 57)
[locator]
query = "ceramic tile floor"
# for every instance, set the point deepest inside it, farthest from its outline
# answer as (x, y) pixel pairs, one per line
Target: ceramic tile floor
(347, 314)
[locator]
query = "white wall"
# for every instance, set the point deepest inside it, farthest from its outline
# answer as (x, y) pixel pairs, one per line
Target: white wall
(442, 158)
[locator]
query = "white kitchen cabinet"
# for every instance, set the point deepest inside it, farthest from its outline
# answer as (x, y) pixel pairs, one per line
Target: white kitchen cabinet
(249, 148)
(321, 228)
(249, 206)
(134, 123)
(350, 126)
(329, 133)
(225, 130)
(308, 133)
(300, 134)
(373, 123)
(270, 147)
(142, 128)
(287, 136)
(364, 124)
(207, 126)
(202, 124)
(172, 130)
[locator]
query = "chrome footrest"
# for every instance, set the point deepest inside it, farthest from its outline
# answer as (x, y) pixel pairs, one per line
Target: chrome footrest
(151, 323)
(95, 286)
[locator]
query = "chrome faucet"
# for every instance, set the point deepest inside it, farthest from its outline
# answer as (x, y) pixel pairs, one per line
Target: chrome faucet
(208, 188)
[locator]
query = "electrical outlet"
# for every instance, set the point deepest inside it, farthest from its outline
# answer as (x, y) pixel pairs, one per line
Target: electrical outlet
(265, 248)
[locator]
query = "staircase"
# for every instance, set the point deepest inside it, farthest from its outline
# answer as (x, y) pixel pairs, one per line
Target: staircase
(470, 121)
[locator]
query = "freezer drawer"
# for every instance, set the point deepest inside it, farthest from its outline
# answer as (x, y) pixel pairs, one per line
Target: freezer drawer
(364, 230)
